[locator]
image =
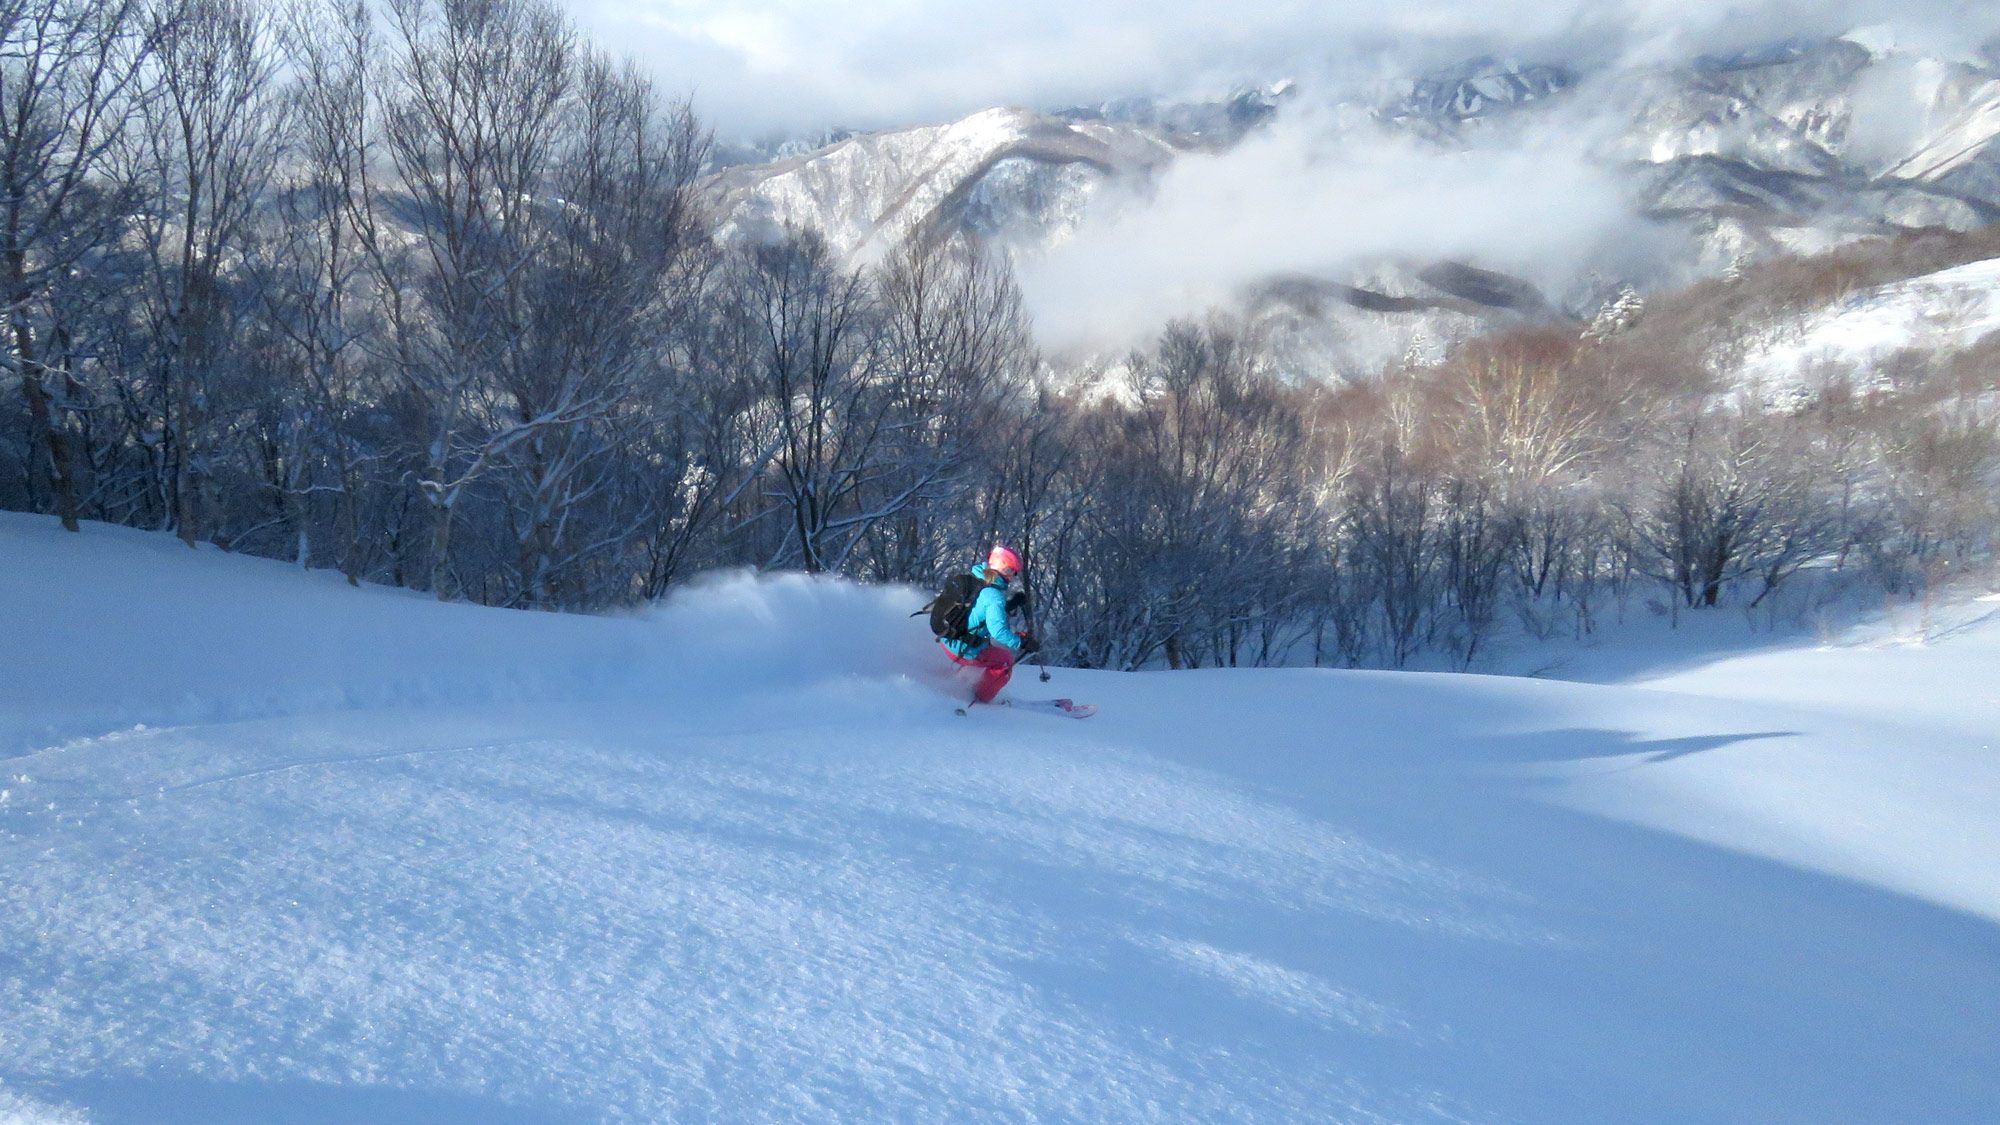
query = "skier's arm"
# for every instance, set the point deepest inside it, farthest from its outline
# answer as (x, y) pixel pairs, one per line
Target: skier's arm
(990, 612)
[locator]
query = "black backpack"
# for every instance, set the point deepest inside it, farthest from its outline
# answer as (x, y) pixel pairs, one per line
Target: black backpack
(953, 605)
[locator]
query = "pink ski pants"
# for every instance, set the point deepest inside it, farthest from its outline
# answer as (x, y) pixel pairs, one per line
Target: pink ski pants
(998, 660)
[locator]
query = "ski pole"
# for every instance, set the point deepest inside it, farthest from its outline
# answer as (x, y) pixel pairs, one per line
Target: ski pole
(1035, 631)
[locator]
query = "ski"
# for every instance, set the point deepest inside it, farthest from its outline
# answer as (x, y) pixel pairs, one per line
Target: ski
(1069, 707)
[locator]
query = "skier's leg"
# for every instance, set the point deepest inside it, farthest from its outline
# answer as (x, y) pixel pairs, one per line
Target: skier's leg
(998, 660)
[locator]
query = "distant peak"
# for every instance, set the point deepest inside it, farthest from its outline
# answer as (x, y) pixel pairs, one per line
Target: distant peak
(1480, 86)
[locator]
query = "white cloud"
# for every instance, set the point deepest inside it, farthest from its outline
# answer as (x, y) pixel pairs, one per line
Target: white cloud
(759, 65)
(1309, 196)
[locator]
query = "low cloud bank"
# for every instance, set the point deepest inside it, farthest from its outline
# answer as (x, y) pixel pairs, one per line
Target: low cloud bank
(1314, 195)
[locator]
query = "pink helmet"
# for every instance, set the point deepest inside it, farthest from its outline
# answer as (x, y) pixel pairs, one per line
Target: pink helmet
(1004, 560)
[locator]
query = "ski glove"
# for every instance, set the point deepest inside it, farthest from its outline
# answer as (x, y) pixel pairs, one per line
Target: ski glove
(1029, 645)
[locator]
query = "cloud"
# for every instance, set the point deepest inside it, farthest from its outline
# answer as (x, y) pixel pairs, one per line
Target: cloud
(1314, 195)
(1311, 194)
(771, 65)
(1892, 107)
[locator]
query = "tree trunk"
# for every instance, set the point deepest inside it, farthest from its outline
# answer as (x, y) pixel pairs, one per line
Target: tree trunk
(47, 426)
(50, 437)
(440, 550)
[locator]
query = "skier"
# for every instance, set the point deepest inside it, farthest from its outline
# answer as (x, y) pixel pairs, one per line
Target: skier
(994, 645)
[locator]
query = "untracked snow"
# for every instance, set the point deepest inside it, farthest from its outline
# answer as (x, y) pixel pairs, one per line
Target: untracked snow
(274, 849)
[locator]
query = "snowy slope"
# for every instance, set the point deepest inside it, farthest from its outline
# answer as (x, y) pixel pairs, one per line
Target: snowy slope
(1939, 313)
(371, 858)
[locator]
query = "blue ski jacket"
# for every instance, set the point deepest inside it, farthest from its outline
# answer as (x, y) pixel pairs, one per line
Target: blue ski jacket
(988, 618)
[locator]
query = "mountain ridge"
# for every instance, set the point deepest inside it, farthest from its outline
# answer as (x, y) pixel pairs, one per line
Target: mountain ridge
(1725, 159)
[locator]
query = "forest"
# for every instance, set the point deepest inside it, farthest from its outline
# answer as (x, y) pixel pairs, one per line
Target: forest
(429, 294)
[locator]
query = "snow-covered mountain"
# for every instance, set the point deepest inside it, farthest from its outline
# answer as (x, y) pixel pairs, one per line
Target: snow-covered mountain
(274, 849)
(1472, 90)
(1817, 146)
(1003, 173)
(1798, 147)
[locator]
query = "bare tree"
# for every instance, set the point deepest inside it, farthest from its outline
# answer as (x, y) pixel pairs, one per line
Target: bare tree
(1734, 499)
(1393, 552)
(1194, 488)
(312, 278)
(70, 72)
(955, 352)
(204, 155)
(477, 93)
(596, 302)
(812, 333)
(1937, 462)
(1521, 411)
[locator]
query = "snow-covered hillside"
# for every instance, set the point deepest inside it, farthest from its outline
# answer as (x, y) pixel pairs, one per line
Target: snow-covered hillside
(276, 849)
(1938, 314)
(1008, 172)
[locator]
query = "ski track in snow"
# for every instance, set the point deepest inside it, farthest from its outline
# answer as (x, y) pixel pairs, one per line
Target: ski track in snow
(736, 860)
